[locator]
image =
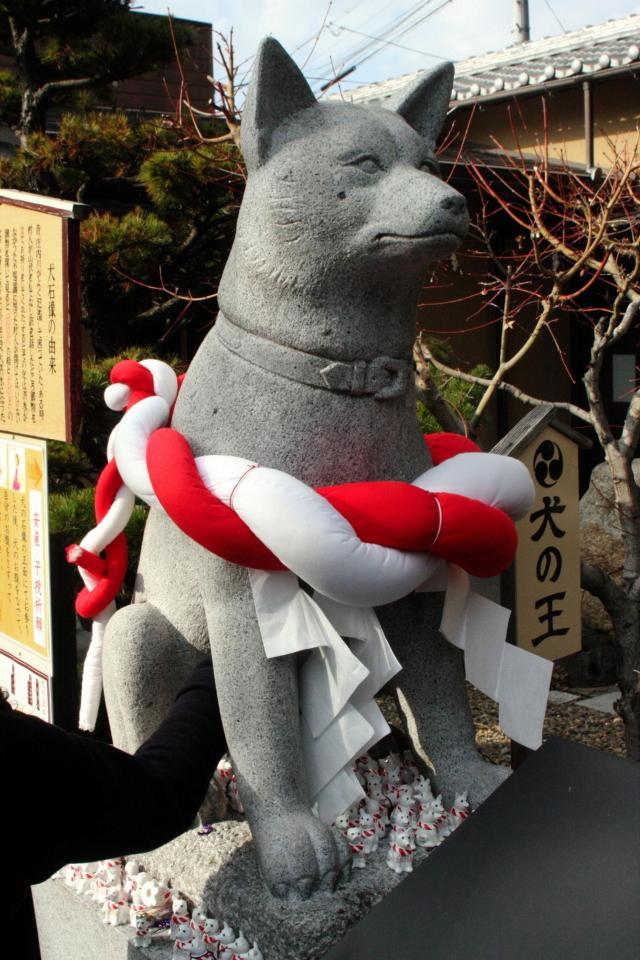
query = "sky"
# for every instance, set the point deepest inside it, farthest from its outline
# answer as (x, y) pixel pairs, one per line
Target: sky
(436, 29)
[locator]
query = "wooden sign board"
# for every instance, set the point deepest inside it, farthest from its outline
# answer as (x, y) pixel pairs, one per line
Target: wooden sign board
(544, 587)
(25, 600)
(39, 315)
(548, 559)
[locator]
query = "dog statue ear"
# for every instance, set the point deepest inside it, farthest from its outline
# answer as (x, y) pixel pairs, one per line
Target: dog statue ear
(424, 103)
(277, 90)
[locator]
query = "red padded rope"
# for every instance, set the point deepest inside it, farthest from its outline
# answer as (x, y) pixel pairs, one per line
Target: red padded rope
(478, 537)
(89, 603)
(444, 445)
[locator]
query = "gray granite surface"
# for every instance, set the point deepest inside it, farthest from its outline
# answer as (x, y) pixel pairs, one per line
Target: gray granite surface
(343, 212)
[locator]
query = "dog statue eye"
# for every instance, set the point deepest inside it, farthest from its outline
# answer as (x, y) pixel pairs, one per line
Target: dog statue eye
(432, 167)
(369, 164)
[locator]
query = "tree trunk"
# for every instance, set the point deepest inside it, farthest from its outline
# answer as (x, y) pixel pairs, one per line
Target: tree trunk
(625, 610)
(626, 624)
(33, 115)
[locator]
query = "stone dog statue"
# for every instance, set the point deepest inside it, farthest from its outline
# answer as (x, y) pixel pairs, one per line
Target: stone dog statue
(343, 211)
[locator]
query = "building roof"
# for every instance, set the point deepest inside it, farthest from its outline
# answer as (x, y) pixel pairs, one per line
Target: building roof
(598, 50)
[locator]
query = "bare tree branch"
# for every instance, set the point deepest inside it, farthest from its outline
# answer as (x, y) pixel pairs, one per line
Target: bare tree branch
(630, 436)
(506, 387)
(602, 586)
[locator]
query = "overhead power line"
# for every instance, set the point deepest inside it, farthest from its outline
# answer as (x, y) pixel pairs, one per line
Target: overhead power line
(389, 31)
(392, 43)
(554, 14)
(401, 33)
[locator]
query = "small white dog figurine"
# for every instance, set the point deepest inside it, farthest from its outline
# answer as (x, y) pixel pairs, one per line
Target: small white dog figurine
(427, 834)
(422, 789)
(369, 832)
(179, 915)
(408, 767)
(85, 877)
(401, 818)
(356, 844)
(115, 912)
(198, 918)
(400, 856)
(197, 947)
(142, 924)
(224, 939)
(182, 942)
(108, 883)
(210, 934)
(342, 823)
(459, 811)
(131, 874)
(239, 947)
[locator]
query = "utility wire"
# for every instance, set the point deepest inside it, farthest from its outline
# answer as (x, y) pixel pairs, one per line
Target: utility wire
(388, 31)
(392, 43)
(562, 26)
(326, 68)
(407, 29)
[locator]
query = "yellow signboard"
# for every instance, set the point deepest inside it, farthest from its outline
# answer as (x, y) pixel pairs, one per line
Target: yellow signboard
(38, 302)
(547, 566)
(25, 616)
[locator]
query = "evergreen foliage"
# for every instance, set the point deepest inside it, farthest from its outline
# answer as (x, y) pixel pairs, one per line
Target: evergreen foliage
(63, 47)
(162, 222)
(163, 206)
(462, 397)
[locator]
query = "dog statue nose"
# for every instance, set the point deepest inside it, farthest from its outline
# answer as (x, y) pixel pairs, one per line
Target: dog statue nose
(454, 203)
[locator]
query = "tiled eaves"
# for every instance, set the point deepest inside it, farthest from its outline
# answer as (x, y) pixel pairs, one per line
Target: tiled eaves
(604, 49)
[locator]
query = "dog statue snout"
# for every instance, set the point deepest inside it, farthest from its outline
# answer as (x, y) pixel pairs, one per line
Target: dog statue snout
(454, 203)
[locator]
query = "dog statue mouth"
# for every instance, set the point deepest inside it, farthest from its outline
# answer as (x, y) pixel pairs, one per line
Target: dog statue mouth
(451, 236)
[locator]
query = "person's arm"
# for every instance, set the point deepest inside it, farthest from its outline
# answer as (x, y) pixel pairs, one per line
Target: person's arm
(73, 799)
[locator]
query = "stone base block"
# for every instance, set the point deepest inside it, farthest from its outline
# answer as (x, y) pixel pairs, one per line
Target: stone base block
(70, 928)
(220, 870)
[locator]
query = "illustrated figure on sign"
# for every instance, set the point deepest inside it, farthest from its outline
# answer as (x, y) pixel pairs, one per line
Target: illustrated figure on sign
(16, 476)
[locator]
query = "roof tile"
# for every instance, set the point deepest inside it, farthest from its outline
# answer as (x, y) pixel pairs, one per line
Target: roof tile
(605, 46)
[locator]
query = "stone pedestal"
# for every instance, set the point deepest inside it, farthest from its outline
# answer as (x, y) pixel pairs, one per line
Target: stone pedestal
(220, 870)
(71, 928)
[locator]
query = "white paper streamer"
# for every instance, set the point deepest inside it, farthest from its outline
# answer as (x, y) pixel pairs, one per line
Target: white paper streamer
(485, 644)
(338, 680)
(523, 695)
(517, 679)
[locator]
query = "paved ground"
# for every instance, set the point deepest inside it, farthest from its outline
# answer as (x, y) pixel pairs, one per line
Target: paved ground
(600, 699)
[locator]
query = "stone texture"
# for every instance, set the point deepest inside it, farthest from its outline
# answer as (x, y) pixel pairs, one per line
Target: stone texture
(221, 870)
(602, 702)
(70, 928)
(601, 540)
(597, 506)
(561, 696)
(340, 218)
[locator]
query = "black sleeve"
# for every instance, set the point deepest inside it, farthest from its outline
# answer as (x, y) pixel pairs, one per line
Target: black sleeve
(69, 798)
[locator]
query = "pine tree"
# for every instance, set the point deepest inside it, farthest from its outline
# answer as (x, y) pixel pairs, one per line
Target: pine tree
(62, 47)
(161, 226)
(163, 203)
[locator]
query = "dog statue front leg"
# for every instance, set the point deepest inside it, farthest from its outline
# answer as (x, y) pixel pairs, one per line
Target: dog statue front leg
(258, 698)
